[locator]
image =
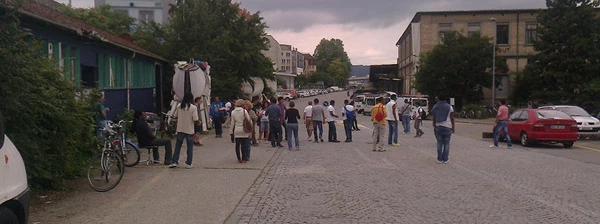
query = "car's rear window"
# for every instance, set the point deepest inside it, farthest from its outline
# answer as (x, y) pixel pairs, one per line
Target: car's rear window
(370, 101)
(552, 114)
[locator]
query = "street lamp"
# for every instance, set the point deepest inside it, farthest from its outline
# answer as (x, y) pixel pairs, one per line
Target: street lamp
(494, 65)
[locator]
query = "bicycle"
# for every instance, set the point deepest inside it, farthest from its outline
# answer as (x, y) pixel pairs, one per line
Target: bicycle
(106, 168)
(131, 152)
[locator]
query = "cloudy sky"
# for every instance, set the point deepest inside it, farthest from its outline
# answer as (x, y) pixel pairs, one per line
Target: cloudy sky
(369, 29)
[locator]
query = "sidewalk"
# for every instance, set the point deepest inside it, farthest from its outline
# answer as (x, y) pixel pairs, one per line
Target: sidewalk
(211, 190)
(489, 121)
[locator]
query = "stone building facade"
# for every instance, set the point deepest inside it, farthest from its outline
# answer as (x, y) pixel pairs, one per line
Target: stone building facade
(514, 32)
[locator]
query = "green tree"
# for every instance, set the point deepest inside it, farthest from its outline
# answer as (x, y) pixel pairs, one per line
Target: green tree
(568, 63)
(229, 38)
(333, 60)
(460, 68)
(52, 130)
(102, 17)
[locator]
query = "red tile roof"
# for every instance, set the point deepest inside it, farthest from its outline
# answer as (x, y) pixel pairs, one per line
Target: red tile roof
(53, 16)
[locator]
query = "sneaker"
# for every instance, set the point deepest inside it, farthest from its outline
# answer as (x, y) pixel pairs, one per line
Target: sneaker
(156, 161)
(445, 162)
(348, 140)
(173, 165)
(509, 147)
(395, 144)
(189, 166)
(439, 161)
(493, 146)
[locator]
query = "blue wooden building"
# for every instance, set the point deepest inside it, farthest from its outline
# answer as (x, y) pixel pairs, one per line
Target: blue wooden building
(129, 75)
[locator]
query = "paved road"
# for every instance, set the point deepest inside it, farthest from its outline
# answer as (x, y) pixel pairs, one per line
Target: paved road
(348, 183)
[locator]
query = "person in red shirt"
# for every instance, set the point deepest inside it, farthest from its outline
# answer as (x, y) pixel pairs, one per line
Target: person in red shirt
(501, 124)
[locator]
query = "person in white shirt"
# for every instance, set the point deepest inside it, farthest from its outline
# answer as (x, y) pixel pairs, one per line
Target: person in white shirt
(308, 119)
(331, 116)
(186, 114)
(349, 114)
(392, 119)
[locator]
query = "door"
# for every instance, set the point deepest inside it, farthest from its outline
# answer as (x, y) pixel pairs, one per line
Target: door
(514, 123)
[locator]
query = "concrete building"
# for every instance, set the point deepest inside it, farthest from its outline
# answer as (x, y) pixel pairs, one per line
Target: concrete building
(310, 64)
(286, 58)
(297, 62)
(142, 10)
(514, 32)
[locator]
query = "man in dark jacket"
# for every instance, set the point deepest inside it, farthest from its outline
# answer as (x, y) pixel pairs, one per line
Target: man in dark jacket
(275, 129)
(146, 138)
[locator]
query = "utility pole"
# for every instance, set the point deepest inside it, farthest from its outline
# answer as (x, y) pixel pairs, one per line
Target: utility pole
(494, 65)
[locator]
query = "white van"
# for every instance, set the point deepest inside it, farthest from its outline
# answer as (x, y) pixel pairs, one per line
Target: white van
(14, 192)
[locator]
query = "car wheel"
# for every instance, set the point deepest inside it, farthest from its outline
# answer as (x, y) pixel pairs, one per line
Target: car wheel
(525, 139)
(287, 99)
(8, 216)
(568, 144)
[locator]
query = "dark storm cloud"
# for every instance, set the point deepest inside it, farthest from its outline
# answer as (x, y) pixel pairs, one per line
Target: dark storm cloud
(300, 14)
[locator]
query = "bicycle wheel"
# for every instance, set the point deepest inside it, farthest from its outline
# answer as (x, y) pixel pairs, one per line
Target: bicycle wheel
(131, 154)
(105, 170)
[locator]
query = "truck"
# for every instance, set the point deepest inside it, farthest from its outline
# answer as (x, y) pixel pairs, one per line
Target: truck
(14, 191)
(192, 77)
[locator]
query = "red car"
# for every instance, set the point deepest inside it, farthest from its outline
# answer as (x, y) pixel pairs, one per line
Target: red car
(542, 125)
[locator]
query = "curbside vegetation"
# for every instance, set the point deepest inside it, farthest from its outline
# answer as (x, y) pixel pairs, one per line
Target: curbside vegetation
(49, 122)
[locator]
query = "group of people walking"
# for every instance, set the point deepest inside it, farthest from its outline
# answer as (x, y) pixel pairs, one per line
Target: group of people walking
(277, 121)
(390, 114)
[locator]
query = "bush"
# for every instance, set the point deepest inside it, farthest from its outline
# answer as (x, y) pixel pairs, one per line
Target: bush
(53, 131)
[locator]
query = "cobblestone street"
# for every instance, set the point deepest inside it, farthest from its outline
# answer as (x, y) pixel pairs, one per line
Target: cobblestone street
(348, 183)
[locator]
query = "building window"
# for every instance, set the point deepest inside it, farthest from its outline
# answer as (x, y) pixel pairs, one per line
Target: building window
(287, 54)
(282, 61)
(502, 34)
(444, 29)
(531, 33)
(473, 28)
(146, 16)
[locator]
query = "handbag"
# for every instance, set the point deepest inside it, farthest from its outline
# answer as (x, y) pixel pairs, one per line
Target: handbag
(247, 123)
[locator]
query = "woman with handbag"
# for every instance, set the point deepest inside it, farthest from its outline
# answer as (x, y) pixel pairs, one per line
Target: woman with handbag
(239, 116)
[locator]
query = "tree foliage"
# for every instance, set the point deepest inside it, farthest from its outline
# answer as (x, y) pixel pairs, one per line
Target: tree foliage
(102, 17)
(52, 130)
(332, 59)
(217, 31)
(568, 63)
(460, 68)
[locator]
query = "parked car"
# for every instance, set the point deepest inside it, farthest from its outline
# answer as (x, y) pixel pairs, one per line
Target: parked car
(542, 125)
(291, 91)
(286, 96)
(585, 121)
(358, 103)
(14, 192)
(314, 92)
(368, 105)
(323, 91)
(303, 93)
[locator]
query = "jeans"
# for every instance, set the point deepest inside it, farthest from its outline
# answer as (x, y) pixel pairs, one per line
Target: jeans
(502, 126)
(378, 134)
(168, 148)
(218, 121)
(189, 141)
(406, 123)
(292, 129)
(100, 125)
(332, 132)
(348, 129)
(242, 145)
(355, 124)
(442, 134)
(275, 132)
(418, 123)
(284, 130)
(393, 132)
(318, 125)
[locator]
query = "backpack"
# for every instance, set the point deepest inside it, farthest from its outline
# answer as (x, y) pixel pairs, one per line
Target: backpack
(349, 114)
(379, 115)
(423, 113)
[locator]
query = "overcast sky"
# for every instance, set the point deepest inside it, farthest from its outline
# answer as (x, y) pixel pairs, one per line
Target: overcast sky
(368, 28)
